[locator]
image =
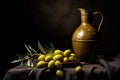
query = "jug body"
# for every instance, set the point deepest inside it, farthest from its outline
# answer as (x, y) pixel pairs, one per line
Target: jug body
(85, 39)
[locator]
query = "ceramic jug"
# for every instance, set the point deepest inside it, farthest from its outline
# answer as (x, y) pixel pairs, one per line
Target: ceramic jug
(85, 37)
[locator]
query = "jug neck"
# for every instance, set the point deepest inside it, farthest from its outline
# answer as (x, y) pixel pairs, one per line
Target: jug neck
(84, 15)
(84, 18)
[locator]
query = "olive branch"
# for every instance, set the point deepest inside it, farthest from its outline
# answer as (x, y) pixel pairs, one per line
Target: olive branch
(29, 57)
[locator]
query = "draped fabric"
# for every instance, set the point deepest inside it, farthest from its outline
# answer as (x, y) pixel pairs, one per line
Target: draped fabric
(103, 70)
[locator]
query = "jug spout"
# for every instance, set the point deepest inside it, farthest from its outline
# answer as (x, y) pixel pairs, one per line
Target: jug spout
(83, 11)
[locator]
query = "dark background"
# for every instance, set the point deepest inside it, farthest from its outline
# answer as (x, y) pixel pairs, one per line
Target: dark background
(27, 21)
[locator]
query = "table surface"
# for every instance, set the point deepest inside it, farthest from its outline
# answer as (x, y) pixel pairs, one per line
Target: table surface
(103, 70)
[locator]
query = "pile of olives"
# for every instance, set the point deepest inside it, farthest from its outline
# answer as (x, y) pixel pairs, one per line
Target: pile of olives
(56, 60)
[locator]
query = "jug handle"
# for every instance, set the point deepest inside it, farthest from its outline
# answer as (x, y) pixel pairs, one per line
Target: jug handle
(101, 19)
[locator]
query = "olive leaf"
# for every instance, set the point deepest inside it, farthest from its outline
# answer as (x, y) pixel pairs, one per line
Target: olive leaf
(41, 47)
(33, 68)
(47, 48)
(27, 49)
(52, 46)
(15, 61)
(21, 62)
(20, 58)
(30, 63)
(33, 50)
(23, 56)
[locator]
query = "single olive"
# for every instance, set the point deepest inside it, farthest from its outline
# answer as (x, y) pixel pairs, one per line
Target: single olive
(65, 59)
(58, 52)
(59, 73)
(41, 57)
(48, 58)
(41, 64)
(51, 64)
(71, 58)
(67, 52)
(58, 64)
(78, 69)
(58, 57)
(72, 54)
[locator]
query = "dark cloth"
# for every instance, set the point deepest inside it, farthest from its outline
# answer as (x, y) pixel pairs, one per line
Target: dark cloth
(103, 70)
(112, 67)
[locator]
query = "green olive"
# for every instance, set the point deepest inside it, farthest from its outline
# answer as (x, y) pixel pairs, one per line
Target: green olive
(58, 57)
(72, 54)
(58, 52)
(67, 52)
(41, 64)
(48, 58)
(78, 69)
(41, 57)
(51, 64)
(58, 64)
(65, 59)
(71, 58)
(59, 73)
